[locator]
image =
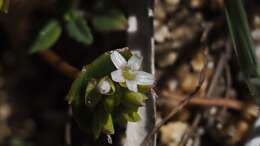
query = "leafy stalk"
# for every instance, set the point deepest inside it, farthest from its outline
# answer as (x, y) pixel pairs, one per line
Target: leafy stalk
(243, 44)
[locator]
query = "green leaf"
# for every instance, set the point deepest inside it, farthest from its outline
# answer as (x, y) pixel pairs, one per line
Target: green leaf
(4, 5)
(243, 44)
(78, 28)
(112, 21)
(46, 38)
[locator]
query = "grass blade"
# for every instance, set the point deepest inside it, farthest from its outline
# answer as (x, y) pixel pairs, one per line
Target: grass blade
(243, 44)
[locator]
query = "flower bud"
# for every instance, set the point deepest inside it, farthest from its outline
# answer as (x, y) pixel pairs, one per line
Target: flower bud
(109, 104)
(106, 86)
(133, 98)
(109, 126)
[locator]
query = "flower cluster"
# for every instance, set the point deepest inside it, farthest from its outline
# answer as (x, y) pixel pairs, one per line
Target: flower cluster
(114, 88)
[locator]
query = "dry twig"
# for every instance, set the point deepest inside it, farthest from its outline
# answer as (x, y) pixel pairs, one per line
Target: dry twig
(201, 101)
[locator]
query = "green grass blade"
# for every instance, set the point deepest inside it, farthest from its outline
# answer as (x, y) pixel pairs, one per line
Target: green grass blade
(241, 37)
(243, 45)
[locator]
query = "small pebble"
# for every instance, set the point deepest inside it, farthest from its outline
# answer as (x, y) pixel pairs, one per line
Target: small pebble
(196, 4)
(167, 59)
(189, 83)
(5, 111)
(172, 84)
(159, 12)
(162, 34)
(172, 2)
(173, 132)
(198, 62)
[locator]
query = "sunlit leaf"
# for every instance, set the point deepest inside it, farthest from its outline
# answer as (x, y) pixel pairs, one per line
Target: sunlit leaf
(78, 28)
(4, 5)
(47, 36)
(110, 22)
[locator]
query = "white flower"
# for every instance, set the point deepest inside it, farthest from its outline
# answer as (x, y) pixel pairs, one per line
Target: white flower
(128, 71)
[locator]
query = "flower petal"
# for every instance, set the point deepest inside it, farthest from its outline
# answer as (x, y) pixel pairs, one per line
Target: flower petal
(117, 76)
(118, 60)
(135, 62)
(144, 78)
(131, 85)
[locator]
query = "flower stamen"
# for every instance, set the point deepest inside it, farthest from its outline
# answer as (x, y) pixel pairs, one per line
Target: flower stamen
(128, 74)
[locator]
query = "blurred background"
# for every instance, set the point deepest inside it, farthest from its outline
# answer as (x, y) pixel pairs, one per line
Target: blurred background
(33, 109)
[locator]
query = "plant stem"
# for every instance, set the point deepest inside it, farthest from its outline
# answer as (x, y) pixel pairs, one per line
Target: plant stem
(58, 63)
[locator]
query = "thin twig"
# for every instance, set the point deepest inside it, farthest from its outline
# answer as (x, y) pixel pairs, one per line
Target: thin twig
(190, 131)
(229, 80)
(203, 101)
(217, 74)
(58, 63)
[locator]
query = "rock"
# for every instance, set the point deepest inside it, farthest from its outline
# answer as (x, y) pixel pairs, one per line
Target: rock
(196, 4)
(172, 84)
(238, 132)
(5, 111)
(172, 2)
(159, 12)
(172, 133)
(189, 83)
(167, 59)
(162, 34)
(197, 62)
(182, 33)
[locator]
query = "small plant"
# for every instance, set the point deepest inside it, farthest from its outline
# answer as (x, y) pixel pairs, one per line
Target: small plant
(109, 91)
(76, 25)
